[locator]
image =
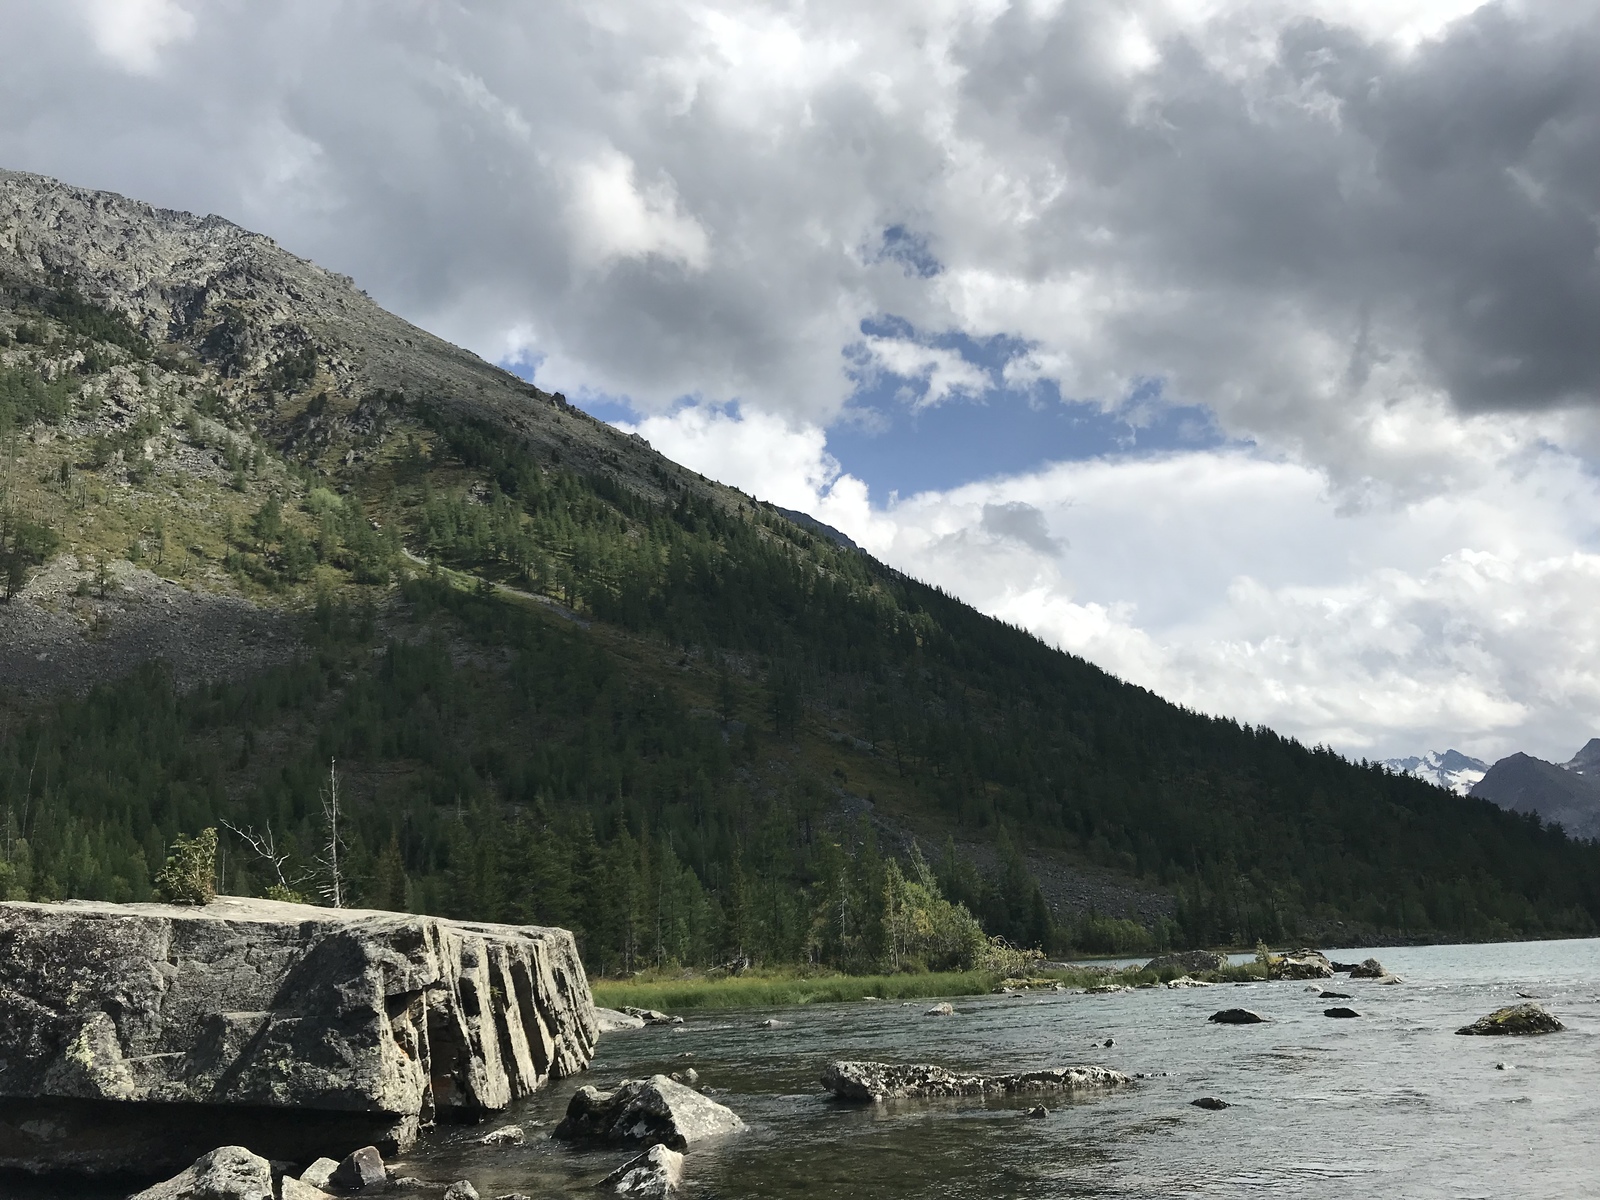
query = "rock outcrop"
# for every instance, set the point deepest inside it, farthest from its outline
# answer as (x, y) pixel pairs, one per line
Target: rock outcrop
(135, 1037)
(1302, 964)
(609, 1020)
(646, 1112)
(871, 1082)
(1517, 1020)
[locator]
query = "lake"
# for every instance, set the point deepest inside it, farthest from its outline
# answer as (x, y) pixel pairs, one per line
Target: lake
(1394, 1102)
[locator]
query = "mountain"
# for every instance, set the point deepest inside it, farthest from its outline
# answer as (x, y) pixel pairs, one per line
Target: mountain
(262, 541)
(1567, 794)
(1451, 770)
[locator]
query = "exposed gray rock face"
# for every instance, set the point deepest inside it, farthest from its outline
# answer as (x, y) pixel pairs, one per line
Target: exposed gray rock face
(1517, 1020)
(1236, 1016)
(870, 1082)
(654, 1111)
(1189, 961)
(130, 1033)
(654, 1175)
(1369, 968)
(229, 1173)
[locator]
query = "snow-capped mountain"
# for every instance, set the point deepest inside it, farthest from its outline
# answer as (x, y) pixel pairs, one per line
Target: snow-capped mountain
(1450, 769)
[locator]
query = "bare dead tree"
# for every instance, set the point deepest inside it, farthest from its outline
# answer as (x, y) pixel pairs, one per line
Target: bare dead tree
(332, 887)
(265, 847)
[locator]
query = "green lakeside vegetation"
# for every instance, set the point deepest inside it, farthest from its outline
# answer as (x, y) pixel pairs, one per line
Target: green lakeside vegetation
(695, 762)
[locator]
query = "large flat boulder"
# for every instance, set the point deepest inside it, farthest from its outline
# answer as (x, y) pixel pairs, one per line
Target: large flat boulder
(1517, 1020)
(135, 1037)
(870, 1082)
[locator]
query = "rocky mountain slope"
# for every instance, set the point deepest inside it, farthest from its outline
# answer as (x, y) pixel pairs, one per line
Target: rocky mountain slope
(1567, 794)
(251, 523)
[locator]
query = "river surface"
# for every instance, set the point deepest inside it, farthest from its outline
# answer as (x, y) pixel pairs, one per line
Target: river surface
(1393, 1103)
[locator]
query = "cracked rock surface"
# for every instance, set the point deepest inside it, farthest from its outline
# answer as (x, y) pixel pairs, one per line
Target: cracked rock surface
(135, 1037)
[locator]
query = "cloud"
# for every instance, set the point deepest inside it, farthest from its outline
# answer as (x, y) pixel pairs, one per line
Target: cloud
(612, 218)
(132, 33)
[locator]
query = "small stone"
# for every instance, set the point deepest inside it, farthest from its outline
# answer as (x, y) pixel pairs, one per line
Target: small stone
(461, 1190)
(1236, 1016)
(1210, 1102)
(1109, 1042)
(1340, 1012)
(506, 1135)
(1333, 996)
(771, 1023)
(360, 1169)
(514, 1196)
(940, 1010)
(296, 1189)
(688, 1076)
(1038, 1111)
(1504, 1066)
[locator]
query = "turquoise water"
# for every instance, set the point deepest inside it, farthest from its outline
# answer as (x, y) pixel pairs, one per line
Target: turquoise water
(1394, 1102)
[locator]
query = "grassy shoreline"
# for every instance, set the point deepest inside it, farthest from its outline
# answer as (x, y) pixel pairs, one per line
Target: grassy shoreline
(781, 990)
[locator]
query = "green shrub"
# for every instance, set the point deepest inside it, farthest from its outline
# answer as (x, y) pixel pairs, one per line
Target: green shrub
(189, 876)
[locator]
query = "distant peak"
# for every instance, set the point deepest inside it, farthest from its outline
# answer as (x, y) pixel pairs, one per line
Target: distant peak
(1587, 760)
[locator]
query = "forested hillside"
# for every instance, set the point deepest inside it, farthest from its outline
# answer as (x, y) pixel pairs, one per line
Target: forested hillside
(560, 679)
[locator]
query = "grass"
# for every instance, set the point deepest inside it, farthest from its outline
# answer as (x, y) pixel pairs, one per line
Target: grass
(780, 990)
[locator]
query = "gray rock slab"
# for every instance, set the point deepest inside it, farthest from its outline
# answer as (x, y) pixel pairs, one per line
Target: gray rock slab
(135, 1037)
(609, 1020)
(653, 1175)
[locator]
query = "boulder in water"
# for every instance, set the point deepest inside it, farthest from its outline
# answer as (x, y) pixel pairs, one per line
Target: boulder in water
(1303, 964)
(651, 1016)
(648, 1112)
(227, 1173)
(360, 1170)
(1517, 1020)
(653, 1175)
(940, 1010)
(1340, 1012)
(871, 1082)
(1236, 1016)
(1369, 968)
(1186, 981)
(461, 1189)
(1210, 1102)
(506, 1135)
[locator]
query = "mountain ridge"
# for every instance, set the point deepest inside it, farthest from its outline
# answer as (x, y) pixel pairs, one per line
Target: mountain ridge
(728, 756)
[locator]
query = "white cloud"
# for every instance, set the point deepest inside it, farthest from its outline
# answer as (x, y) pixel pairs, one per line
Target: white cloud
(132, 33)
(613, 218)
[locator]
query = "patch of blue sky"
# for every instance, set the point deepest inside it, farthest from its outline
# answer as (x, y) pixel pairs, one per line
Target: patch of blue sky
(898, 435)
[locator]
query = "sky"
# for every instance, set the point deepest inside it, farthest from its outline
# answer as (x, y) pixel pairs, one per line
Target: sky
(1250, 350)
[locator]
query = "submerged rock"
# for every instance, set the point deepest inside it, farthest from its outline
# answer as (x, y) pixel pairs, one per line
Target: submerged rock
(1369, 968)
(610, 1020)
(1327, 995)
(646, 1112)
(506, 1135)
(1185, 981)
(1210, 1102)
(1236, 1016)
(1340, 1012)
(940, 1010)
(1188, 961)
(1517, 1020)
(870, 1082)
(1038, 1112)
(227, 1173)
(654, 1174)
